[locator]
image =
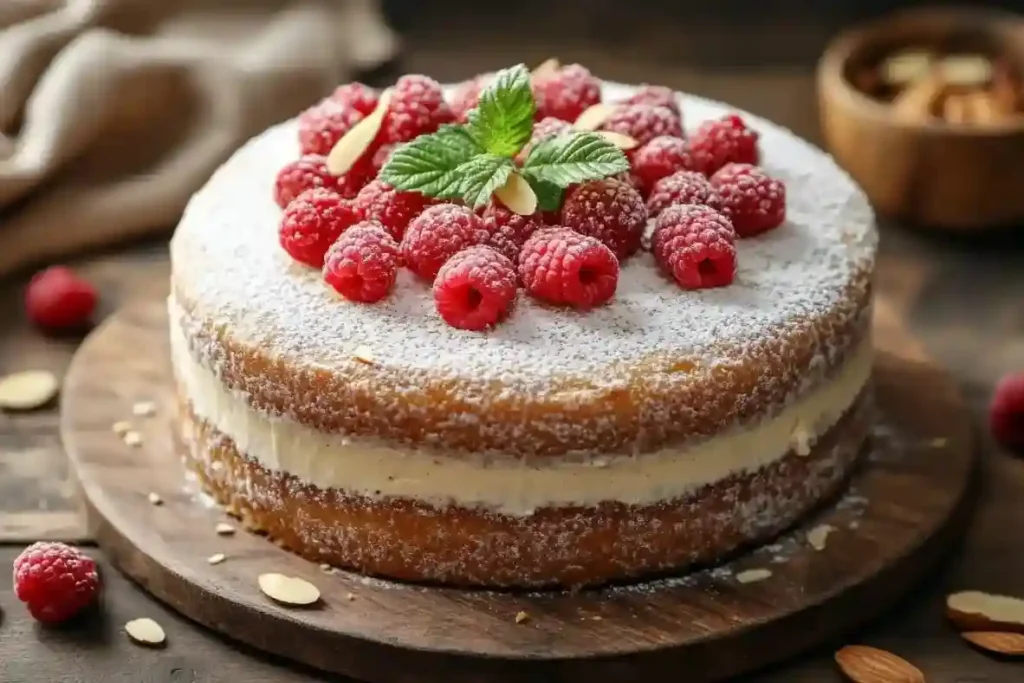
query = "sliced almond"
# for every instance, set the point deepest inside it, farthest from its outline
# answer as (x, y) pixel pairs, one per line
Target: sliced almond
(593, 116)
(144, 409)
(27, 390)
(224, 529)
(155, 499)
(288, 590)
(133, 439)
(915, 104)
(753, 575)
(966, 71)
(145, 631)
(904, 68)
(353, 144)
(977, 611)
(517, 195)
(1007, 644)
(618, 139)
(800, 439)
(818, 536)
(863, 664)
(121, 428)
(521, 617)
(363, 354)
(546, 68)
(216, 558)
(350, 596)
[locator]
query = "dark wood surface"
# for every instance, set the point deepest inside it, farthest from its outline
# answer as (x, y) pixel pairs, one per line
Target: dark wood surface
(963, 298)
(905, 507)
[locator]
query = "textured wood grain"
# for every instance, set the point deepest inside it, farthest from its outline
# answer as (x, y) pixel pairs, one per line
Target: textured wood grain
(911, 492)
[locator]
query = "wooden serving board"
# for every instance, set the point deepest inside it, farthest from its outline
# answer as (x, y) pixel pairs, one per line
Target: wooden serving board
(903, 509)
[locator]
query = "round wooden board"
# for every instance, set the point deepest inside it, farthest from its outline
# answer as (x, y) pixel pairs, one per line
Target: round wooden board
(906, 505)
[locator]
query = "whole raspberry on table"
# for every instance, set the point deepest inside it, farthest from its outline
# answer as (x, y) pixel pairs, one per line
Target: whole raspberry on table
(313, 221)
(392, 208)
(323, 124)
(417, 107)
(356, 96)
(466, 97)
(561, 266)
(309, 172)
(55, 581)
(609, 210)
(682, 187)
(475, 289)
(363, 263)
(722, 141)
(507, 231)
(695, 245)
(643, 122)
(57, 299)
(658, 95)
(566, 92)
(437, 234)
(754, 201)
(1006, 412)
(660, 158)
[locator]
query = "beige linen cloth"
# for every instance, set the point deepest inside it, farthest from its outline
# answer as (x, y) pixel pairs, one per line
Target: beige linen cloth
(113, 112)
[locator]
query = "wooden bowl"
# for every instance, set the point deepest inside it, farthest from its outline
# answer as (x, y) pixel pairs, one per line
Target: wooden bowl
(928, 172)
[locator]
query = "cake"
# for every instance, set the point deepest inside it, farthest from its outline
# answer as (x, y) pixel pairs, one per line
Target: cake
(695, 410)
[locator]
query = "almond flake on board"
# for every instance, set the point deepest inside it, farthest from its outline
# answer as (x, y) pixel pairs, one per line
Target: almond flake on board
(131, 438)
(224, 529)
(753, 575)
(144, 409)
(353, 144)
(593, 116)
(977, 611)
(288, 590)
(27, 390)
(546, 68)
(121, 427)
(818, 536)
(154, 498)
(864, 664)
(216, 558)
(618, 139)
(1006, 644)
(521, 617)
(517, 195)
(145, 631)
(800, 439)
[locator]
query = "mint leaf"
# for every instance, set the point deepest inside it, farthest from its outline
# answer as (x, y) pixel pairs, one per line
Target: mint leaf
(429, 163)
(549, 195)
(482, 175)
(503, 120)
(566, 160)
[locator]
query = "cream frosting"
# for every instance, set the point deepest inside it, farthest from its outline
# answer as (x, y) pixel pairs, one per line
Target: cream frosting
(508, 484)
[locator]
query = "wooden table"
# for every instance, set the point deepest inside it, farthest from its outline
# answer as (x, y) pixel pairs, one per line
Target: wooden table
(965, 300)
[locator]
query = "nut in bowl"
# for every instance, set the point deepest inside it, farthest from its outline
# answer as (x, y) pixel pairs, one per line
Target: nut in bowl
(925, 109)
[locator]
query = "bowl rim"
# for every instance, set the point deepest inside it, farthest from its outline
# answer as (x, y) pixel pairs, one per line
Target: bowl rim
(832, 66)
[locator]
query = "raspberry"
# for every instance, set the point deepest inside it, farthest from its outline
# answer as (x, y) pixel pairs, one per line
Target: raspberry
(390, 207)
(310, 171)
(363, 263)
(643, 122)
(356, 96)
(323, 124)
(312, 222)
(417, 107)
(507, 231)
(695, 245)
(381, 156)
(475, 288)
(566, 93)
(55, 581)
(683, 187)
(57, 299)
(721, 141)
(544, 129)
(754, 201)
(660, 158)
(560, 266)
(657, 95)
(609, 210)
(466, 97)
(437, 234)
(1006, 412)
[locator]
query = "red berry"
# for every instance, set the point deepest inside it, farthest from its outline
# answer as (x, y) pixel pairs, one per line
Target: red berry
(695, 245)
(323, 124)
(660, 158)
(560, 266)
(657, 95)
(507, 231)
(721, 141)
(475, 288)
(310, 171)
(356, 96)
(566, 92)
(437, 234)
(313, 221)
(58, 299)
(466, 97)
(683, 187)
(55, 581)
(754, 201)
(643, 122)
(363, 263)
(381, 156)
(390, 207)
(417, 107)
(609, 210)
(544, 129)
(1006, 412)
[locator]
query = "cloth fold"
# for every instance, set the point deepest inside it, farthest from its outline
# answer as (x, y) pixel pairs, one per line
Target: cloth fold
(113, 112)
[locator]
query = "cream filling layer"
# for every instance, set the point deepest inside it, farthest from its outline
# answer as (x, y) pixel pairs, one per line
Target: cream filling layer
(507, 484)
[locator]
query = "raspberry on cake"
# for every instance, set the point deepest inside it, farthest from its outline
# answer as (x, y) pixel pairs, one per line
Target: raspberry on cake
(560, 266)
(722, 141)
(323, 124)
(437, 234)
(609, 210)
(475, 288)
(643, 122)
(392, 208)
(695, 245)
(683, 187)
(356, 96)
(309, 172)
(417, 107)
(466, 96)
(508, 231)
(657, 95)
(312, 222)
(754, 201)
(363, 263)
(566, 92)
(660, 158)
